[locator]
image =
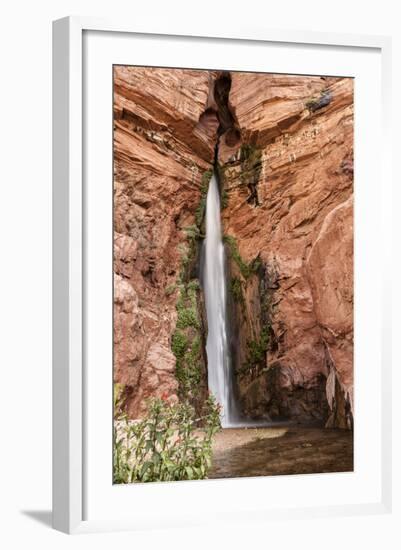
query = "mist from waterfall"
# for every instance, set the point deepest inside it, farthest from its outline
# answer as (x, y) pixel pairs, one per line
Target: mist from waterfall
(214, 283)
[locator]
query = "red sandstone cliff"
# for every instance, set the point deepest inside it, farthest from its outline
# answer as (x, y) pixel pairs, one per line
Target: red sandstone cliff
(285, 164)
(298, 218)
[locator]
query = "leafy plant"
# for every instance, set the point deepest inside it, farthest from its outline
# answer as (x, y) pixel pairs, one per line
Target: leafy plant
(179, 344)
(189, 368)
(170, 289)
(186, 341)
(206, 177)
(166, 445)
(257, 351)
(193, 232)
(236, 290)
(187, 308)
(193, 285)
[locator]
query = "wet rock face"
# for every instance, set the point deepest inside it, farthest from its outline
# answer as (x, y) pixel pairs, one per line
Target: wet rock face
(285, 162)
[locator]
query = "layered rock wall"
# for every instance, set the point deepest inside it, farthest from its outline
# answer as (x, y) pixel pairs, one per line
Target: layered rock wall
(285, 165)
(162, 147)
(289, 206)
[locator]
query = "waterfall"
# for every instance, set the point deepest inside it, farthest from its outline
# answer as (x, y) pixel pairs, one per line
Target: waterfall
(214, 283)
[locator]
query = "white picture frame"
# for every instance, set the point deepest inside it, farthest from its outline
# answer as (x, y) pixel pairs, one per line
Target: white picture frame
(70, 259)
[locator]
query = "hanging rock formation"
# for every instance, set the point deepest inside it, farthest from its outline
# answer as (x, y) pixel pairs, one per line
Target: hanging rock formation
(285, 162)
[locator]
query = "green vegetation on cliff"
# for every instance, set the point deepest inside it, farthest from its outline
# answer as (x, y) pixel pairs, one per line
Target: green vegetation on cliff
(257, 350)
(236, 290)
(200, 211)
(187, 308)
(246, 269)
(186, 342)
(257, 347)
(251, 166)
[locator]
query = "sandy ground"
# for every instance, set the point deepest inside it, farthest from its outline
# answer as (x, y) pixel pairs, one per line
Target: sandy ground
(232, 438)
(248, 452)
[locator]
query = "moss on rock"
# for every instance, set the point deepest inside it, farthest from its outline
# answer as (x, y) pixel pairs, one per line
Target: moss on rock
(246, 269)
(251, 167)
(186, 342)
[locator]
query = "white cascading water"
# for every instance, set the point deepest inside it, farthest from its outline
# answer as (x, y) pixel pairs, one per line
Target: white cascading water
(214, 283)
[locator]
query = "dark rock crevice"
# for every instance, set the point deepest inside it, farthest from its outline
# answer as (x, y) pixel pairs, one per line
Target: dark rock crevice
(228, 125)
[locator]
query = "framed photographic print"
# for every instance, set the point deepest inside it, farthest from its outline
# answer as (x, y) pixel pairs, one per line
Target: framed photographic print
(219, 306)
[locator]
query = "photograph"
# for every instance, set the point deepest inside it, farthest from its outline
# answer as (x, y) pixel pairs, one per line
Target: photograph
(200, 275)
(233, 274)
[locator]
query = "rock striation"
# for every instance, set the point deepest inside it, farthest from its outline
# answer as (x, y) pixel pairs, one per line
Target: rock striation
(283, 148)
(163, 144)
(289, 205)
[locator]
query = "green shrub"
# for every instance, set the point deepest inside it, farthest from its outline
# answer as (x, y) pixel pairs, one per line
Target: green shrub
(251, 167)
(257, 349)
(193, 285)
(187, 309)
(179, 344)
(187, 317)
(166, 445)
(186, 341)
(206, 177)
(236, 290)
(251, 159)
(192, 232)
(170, 289)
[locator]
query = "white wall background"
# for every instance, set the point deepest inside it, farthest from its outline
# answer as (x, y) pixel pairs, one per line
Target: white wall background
(25, 291)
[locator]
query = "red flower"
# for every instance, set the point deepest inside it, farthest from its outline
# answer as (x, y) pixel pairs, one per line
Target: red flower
(164, 396)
